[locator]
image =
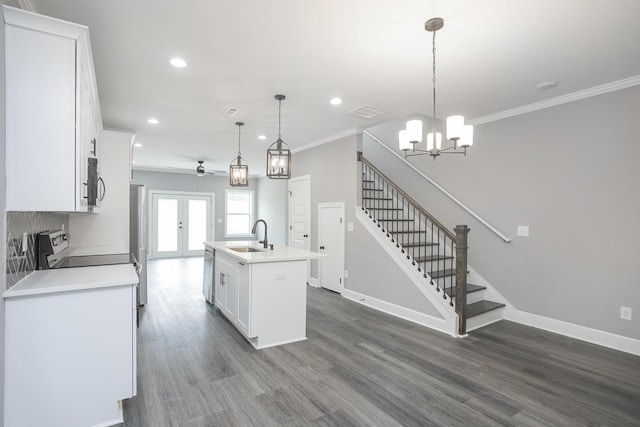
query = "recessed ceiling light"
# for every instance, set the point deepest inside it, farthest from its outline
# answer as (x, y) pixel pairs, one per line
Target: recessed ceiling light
(138, 145)
(178, 62)
(547, 85)
(153, 121)
(262, 137)
(336, 101)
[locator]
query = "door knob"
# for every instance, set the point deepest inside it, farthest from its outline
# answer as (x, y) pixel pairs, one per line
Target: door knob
(322, 248)
(305, 235)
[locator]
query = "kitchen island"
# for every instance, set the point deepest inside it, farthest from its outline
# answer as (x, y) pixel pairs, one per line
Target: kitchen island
(263, 292)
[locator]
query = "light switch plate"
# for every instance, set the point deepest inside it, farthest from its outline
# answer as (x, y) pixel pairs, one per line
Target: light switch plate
(523, 231)
(349, 226)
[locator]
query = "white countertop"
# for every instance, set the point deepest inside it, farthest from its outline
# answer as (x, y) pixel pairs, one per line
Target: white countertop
(73, 279)
(278, 254)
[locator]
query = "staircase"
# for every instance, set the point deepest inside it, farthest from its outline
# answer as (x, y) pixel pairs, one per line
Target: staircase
(436, 252)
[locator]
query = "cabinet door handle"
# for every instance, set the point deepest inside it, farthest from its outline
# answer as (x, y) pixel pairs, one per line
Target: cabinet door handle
(322, 248)
(93, 143)
(305, 235)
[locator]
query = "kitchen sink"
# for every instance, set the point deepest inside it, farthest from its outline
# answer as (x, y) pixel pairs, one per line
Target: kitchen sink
(245, 249)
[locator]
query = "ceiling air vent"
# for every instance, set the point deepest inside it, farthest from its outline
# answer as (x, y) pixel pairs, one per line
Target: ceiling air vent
(229, 112)
(366, 112)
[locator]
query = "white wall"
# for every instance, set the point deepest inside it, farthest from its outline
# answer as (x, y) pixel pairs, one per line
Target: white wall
(107, 231)
(570, 173)
(3, 206)
(271, 203)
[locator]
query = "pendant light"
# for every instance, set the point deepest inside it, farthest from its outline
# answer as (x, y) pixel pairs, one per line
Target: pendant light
(458, 133)
(279, 158)
(238, 170)
(200, 168)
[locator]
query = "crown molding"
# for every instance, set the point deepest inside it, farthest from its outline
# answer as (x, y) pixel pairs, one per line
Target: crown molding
(564, 99)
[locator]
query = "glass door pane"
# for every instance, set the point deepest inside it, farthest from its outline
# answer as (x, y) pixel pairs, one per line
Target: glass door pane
(196, 224)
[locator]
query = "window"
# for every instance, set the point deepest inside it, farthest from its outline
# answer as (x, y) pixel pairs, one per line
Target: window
(239, 212)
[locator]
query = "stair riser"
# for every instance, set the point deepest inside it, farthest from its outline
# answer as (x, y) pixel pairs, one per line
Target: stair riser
(484, 319)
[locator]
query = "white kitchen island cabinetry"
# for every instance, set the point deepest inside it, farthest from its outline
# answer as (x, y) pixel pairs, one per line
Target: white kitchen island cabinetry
(264, 293)
(53, 115)
(70, 346)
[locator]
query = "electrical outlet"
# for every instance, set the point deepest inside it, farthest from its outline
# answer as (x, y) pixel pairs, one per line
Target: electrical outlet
(625, 313)
(281, 275)
(349, 226)
(523, 231)
(346, 274)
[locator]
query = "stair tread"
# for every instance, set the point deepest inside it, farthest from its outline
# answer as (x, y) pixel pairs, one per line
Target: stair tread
(384, 209)
(428, 258)
(396, 220)
(470, 288)
(480, 307)
(378, 198)
(442, 273)
(418, 244)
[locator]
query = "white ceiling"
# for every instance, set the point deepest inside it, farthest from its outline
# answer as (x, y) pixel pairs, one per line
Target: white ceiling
(491, 54)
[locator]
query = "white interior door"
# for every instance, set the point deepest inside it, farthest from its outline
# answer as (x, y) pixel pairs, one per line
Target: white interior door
(180, 223)
(300, 215)
(300, 212)
(331, 242)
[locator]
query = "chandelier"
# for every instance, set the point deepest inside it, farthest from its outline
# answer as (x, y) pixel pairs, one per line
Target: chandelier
(239, 170)
(279, 158)
(458, 133)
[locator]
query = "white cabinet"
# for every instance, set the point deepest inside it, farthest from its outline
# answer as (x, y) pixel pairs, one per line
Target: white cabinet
(266, 301)
(226, 279)
(70, 356)
(52, 112)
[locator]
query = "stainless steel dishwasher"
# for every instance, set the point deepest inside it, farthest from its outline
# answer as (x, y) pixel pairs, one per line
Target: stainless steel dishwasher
(207, 280)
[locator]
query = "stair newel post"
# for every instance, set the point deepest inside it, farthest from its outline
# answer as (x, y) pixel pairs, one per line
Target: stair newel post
(462, 232)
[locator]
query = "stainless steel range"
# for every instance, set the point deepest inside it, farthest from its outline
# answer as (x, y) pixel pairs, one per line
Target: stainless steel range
(52, 251)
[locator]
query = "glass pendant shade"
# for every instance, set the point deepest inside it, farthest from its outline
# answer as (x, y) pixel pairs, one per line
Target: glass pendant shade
(278, 161)
(403, 140)
(438, 142)
(414, 131)
(454, 127)
(467, 136)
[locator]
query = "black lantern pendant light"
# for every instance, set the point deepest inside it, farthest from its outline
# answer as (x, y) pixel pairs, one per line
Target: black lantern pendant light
(239, 170)
(279, 158)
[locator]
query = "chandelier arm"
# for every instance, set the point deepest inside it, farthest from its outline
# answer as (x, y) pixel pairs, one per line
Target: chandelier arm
(435, 125)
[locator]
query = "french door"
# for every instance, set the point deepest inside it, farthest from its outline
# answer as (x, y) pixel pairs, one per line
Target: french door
(180, 223)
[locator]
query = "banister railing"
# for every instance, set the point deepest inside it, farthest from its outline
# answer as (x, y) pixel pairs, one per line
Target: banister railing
(436, 252)
(441, 189)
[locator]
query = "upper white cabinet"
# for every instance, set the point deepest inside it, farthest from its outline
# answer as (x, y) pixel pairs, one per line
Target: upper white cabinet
(53, 119)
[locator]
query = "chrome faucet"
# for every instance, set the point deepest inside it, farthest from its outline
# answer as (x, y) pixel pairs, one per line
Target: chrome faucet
(265, 242)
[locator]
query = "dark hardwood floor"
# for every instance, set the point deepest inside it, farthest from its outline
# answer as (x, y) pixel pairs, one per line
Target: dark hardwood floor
(361, 367)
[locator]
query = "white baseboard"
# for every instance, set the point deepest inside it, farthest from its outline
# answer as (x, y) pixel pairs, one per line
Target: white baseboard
(313, 281)
(594, 336)
(441, 325)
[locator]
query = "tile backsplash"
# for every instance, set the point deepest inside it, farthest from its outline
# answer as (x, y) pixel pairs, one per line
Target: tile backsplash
(22, 228)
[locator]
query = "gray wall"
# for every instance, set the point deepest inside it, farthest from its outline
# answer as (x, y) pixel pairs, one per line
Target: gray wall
(333, 169)
(168, 181)
(570, 173)
(272, 202)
